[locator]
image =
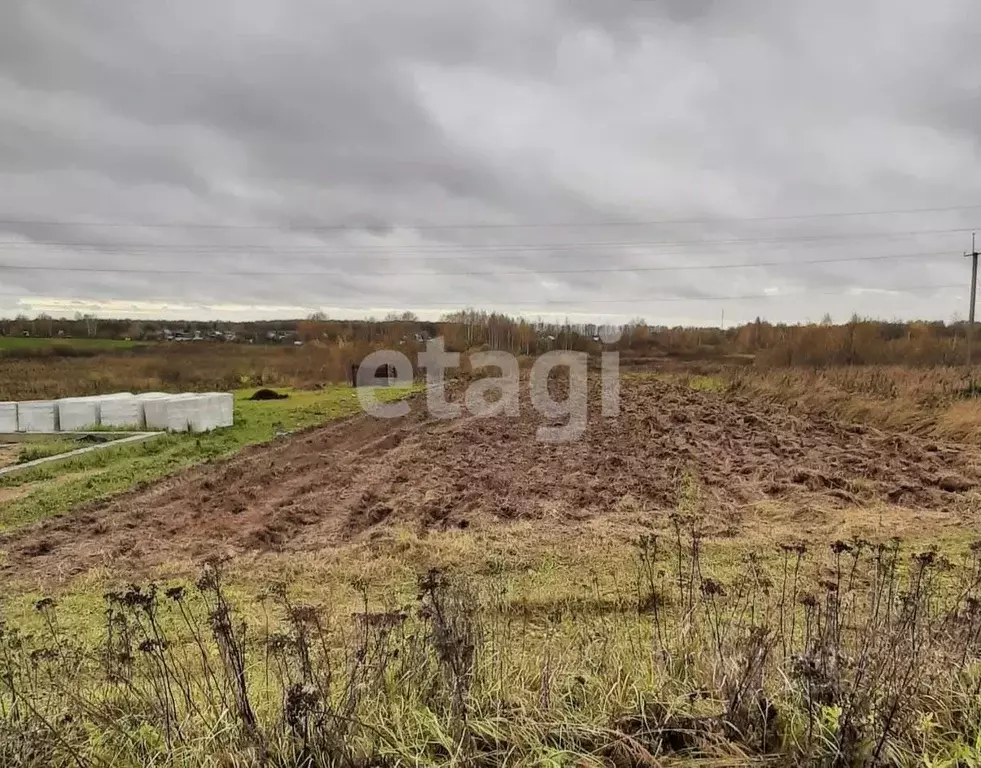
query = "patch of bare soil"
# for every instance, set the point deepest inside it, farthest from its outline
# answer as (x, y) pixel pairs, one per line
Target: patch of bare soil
(333, 484)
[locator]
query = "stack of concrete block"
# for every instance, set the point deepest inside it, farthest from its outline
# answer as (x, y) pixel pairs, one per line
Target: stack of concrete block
(190, 412)
(76, 413)
(126, 410)
(37, 416)
(8, 418)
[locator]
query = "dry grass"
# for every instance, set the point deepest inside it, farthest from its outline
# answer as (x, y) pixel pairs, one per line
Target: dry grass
(864, 653)
(939, 403)
(170, 367)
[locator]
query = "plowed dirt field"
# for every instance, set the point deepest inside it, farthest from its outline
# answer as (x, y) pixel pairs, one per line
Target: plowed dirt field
(335, 484)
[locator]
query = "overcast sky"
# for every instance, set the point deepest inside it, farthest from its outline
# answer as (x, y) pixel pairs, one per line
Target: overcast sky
(506, 154)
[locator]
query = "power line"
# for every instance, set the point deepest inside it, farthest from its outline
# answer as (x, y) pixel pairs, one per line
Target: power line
(484, 225)
(854, 290)
(467, 273)
(233, 249)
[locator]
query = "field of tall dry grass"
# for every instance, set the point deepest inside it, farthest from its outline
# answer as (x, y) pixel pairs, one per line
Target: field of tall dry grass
(862, 655)
(942, 403)
(179, 366)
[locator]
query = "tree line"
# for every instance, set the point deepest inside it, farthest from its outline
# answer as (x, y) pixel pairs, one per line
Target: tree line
(855, 342)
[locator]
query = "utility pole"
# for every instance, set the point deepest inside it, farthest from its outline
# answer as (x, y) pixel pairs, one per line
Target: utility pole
(974, 292)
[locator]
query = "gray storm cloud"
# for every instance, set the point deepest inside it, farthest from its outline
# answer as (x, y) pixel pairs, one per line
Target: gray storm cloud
(363, 156)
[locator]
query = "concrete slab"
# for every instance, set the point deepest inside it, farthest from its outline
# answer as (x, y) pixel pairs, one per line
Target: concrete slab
(139, 437)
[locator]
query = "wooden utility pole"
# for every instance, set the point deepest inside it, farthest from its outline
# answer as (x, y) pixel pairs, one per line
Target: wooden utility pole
(974, 292)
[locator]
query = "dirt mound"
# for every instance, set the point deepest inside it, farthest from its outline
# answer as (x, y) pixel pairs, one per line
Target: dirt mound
(268, 394)
(327, 486)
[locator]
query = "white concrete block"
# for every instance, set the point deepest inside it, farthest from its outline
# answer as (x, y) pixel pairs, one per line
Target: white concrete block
(121, 411)
(190, 411)
(226, 408)
(212, 410)
(8, 417)
(202, 413)
(205, 412)
(37, 416)
(78, 413)
(157, 421)
(125, 410)
(155, 414)
(171, 413)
